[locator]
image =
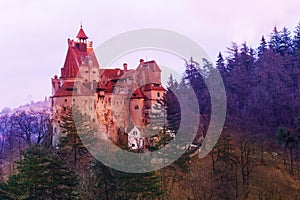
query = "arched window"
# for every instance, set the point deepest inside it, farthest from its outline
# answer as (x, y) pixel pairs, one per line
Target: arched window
(136, 107)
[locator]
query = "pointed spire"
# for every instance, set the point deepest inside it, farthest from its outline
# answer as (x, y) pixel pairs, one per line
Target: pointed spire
(81, 34)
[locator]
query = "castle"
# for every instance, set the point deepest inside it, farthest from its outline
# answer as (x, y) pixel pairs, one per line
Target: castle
(117, 99)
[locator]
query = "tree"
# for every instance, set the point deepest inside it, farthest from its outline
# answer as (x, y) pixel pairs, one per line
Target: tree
(262, 47)
(113, 184)
(286, 44)
(32, 126)
(77, 136)
(288, 140)
(41, 176)
(275, 40)
(225, 168)
(220, 64)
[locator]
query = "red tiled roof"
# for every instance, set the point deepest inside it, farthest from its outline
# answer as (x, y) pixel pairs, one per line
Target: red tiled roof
(149, 87)
(70, 68)
(74, 59)
(71, 89)
(137, 94)
(112, 73)
(81, 34)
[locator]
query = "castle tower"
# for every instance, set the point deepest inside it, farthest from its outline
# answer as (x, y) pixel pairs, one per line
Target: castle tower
(80, 66)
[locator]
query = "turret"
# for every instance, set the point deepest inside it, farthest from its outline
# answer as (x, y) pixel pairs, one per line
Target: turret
(55, 84)
(82, 43)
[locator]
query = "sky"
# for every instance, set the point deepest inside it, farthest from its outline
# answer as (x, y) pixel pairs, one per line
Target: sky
(34, 33)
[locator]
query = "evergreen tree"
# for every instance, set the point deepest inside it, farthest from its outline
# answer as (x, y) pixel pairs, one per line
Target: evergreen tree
(225, 163)
(287, 138)
(42, 176)
(78, 136)
(221, 64)
(105, 187)
(275, 40)
(296, 39)
(286, 44)
(262, 47)
(113, 184)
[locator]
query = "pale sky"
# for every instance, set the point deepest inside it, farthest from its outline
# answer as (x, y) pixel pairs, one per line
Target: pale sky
(34, 33)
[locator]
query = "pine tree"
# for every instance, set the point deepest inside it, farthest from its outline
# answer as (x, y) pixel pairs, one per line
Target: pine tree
(221, 65)
(296, 39)
(287, 138)
(286, 44)
(262, 47)
(113, 184)
(225, 168)
(78, 136)
(105, 187)
(275, 40)
(42, 176)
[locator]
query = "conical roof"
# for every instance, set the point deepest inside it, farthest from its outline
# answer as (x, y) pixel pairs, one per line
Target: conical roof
(81, 34)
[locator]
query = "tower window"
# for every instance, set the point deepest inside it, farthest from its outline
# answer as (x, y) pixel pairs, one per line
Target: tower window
(66, 100)
(65, 108)
(158, 94)
(136, 107)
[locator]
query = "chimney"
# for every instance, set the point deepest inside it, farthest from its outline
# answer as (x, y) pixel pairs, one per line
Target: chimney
(125, 67)
(142, 61)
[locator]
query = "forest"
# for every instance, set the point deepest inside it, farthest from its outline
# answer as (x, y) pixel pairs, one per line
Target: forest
(256, 157)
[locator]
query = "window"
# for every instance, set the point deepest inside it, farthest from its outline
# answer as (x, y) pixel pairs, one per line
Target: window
(158, 94)
(86, 71)
(65, 108)
(66, 100)
(136, 107)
